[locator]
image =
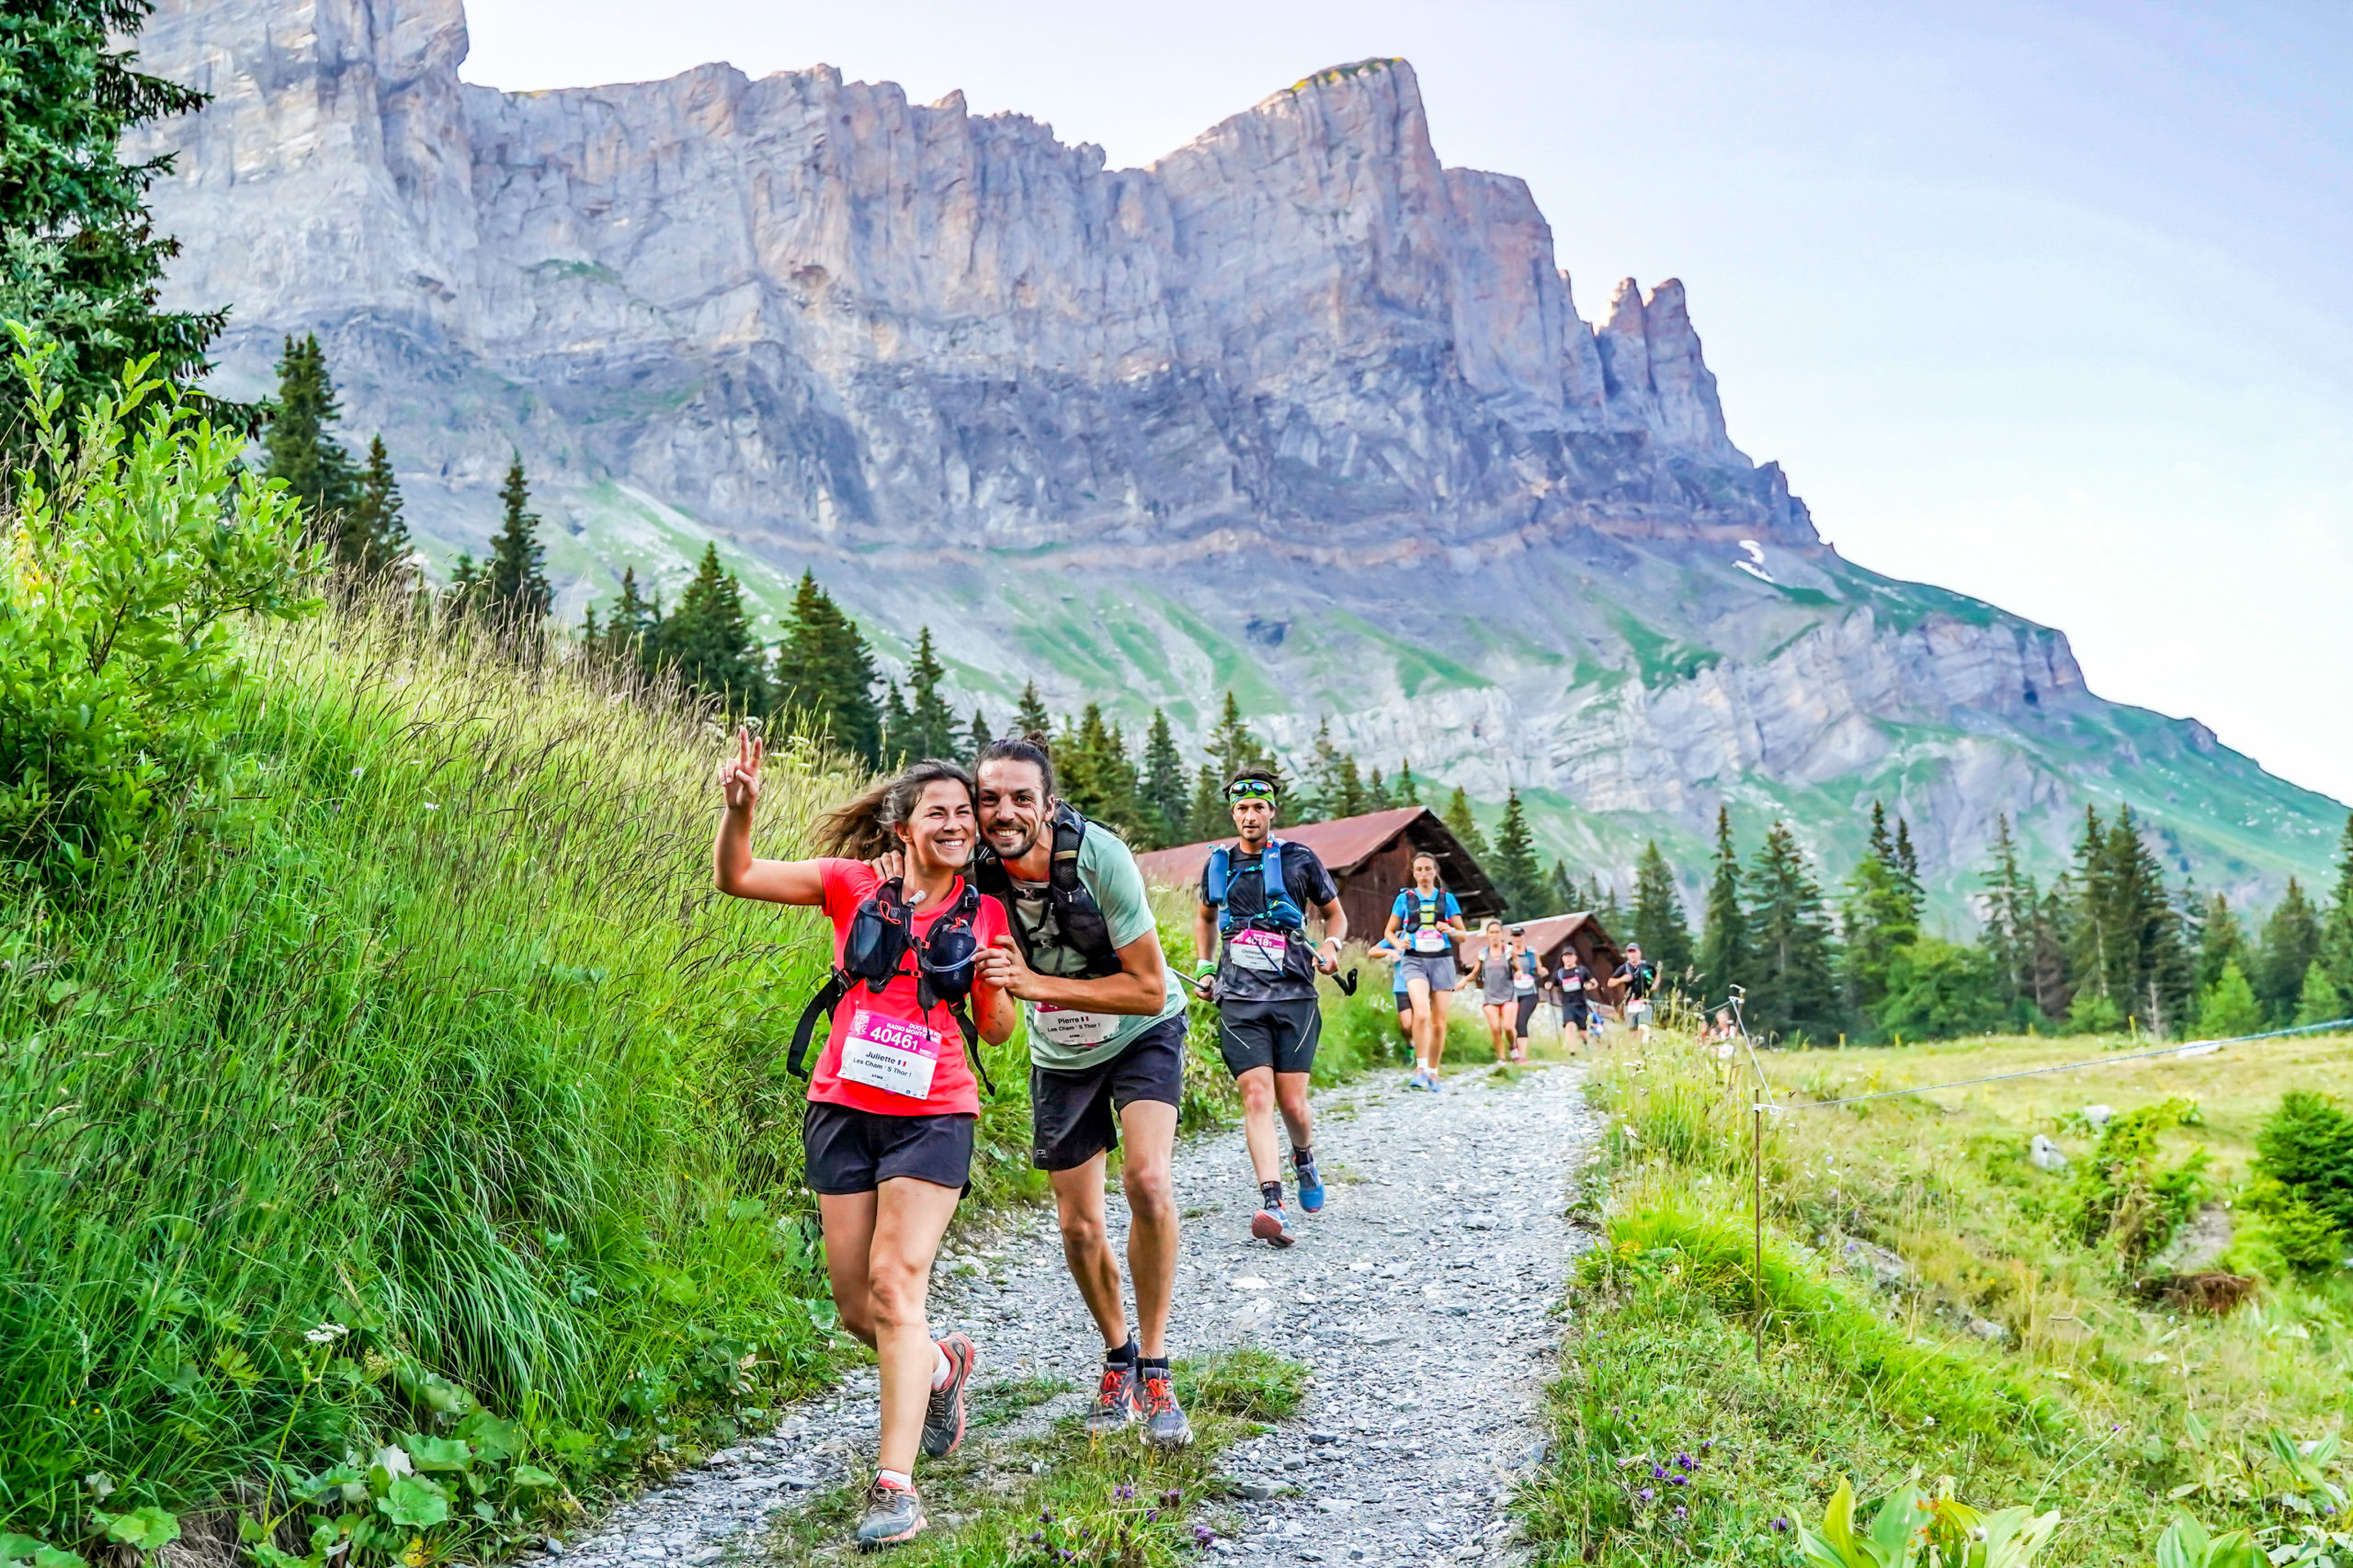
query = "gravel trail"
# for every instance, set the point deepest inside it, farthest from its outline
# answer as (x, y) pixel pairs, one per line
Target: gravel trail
(1419, 1297)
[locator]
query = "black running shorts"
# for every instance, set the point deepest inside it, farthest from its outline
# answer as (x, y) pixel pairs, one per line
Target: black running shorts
(849, 1151)
(1281, 1035)
(1074, 1116)
(1574, 1011)
(1527, 1011)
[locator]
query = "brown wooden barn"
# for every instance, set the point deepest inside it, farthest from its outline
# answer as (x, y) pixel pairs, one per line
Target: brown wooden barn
(1557, 934)
(1370, 857)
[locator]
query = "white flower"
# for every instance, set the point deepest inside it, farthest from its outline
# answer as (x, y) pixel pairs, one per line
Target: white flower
(325, 1334)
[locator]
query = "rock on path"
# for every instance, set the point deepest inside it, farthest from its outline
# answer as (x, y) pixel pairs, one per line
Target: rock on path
(1419, 1298)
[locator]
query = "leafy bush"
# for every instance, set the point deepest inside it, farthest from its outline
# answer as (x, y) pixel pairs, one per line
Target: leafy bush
(2126, 1194)
(135, 547)
(1910, 1529)
(1936, 990)
(2227, 1008)
(2307, 1147)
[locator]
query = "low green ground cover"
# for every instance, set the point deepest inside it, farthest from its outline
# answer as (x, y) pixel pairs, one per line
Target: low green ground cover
(1936, 1305)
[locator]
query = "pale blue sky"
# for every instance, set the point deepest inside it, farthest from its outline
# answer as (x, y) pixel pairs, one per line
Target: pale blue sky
(2052, 304)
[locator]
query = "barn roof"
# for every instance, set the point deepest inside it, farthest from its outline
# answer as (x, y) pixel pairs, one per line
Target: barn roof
(1344, 845)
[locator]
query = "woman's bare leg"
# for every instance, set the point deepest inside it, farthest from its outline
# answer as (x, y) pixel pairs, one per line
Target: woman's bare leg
(910, 1218)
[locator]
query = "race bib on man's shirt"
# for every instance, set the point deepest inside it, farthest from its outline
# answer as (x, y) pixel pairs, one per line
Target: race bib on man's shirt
(891, 1054)
(1258, 951)
(1429, 941)
(1068, 1026)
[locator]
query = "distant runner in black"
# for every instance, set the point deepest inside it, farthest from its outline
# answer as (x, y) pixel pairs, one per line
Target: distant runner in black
(1256, 897)
(1580, 994)
(1633, 982)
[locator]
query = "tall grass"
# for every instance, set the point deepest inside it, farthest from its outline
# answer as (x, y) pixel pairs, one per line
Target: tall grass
(424, 1021)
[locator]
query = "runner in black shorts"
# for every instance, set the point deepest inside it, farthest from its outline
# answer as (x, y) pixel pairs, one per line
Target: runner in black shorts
(1268, 1019)
(1578, 995)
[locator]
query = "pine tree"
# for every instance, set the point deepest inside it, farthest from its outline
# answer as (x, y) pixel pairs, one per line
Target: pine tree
(1906, 866)
(709, 637)
(1232, 747)
(80, 261)
(515, 581)
(826, 677)
(301, 449)
(1515, 869)
(1093, 772)
(1723, 931)
(1796, 990)
(631, 631)
(1207, 817)
(2336, 930)
(894, 727)
(2051, 977)
(2319, 1001)
(2220, 941)
(1464, 827)
(2227, 1008)
(377, 541)
(1879, 915)
(1561, 890)
(978, 736)
(1659, 924)
(1404, 789)
(1029, 715)
(1377, 795)
(2292, 940)
(2146, 972)
(1161, 787)
(2009, 914)
(931, 725)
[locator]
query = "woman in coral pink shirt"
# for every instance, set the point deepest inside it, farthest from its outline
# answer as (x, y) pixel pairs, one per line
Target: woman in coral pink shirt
(888, 1135)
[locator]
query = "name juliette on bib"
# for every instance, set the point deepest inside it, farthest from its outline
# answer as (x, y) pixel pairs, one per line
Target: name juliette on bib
(891, 1054)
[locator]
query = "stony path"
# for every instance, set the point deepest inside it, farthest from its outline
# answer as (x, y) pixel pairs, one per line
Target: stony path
(1419, 1297)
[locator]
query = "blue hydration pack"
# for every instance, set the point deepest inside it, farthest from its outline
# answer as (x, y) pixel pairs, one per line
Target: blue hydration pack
(1282, 911)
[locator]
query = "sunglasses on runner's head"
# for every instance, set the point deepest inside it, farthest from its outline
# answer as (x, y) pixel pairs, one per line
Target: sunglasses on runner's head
(1250, 789)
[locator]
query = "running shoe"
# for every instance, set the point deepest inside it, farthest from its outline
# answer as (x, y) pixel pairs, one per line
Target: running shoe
(1270, 1225)
(1311, 1185)
(1165, 1424)
(1117, 1405)
(943, 1420)
(893, 1514)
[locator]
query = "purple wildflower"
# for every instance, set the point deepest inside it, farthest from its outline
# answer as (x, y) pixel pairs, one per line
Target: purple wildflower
(1780, 1527)
(1646, 1495)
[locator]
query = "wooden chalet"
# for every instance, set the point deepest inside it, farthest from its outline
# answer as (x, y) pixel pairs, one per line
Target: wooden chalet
(1556, 934)
(1370, 857)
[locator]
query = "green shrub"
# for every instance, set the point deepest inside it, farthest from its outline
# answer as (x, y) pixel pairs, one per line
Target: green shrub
(2227, 1008)
(2090, 1014)
(2126, 1194)
(2307, 1147)
(1936, 990)
(136, 546)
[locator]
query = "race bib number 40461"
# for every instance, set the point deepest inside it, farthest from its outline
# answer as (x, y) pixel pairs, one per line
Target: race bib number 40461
(891, 1054)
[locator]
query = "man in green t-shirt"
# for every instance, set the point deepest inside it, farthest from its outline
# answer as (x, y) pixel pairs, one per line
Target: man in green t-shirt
(1105, 1019)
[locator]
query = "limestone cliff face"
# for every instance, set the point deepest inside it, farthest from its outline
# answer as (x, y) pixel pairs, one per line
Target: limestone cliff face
(829, 327)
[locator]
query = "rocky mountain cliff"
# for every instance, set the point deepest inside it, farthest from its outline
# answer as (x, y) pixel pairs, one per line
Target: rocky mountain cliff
(1296, 411)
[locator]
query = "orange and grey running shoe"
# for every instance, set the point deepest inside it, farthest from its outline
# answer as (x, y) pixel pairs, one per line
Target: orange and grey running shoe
(1165, 1425)
(893, 1514)
(943, 1419)
(1118, 1405)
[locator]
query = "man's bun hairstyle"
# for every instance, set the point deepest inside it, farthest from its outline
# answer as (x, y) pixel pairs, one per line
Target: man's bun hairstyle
(1031, 747)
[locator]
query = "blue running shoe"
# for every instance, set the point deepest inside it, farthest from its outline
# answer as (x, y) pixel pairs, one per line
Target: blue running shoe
(1311, 1185)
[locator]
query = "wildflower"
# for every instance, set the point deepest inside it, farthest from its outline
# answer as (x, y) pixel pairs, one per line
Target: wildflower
(1683, 1461)
(1678, 1480)
(1646, 1495)
(1780, 1527)
(1124, 1491)
(1203, 1535)
(1681, 1512)
(1152, 1515)
(1037, 1536)
(1657, 1474)
(325, 1334)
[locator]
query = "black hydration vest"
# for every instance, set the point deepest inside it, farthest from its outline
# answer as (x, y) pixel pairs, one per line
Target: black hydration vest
(1076, 914)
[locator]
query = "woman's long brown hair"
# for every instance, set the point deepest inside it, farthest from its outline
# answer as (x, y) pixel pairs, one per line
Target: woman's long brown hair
(867, 825)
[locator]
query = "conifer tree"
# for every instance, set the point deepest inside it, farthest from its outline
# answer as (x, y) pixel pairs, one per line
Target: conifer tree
(2220, 941)
(977, 736)
(1162, 786)
(80, 261)
(1093, 772)
(631, 630)
(826, 675)
(515, 581)
(1723, 931)
(1232, 747)
(302, 450)
(931, 726)
(1404, 789)
(2228, 1008)
(1561, 890)
(894, 727)
(2319, 1001)
(1906, 866)
(709, 637)
(1515, 869)
(376, 542)
(1029, 715)
(2292, 940)
(1377, 795)
(2128, 949)
(1207, 817)
(2009, 899)
(2336, 930)
(1464, 827)
(1880, 915)
(1659, 924)
(1796, 990)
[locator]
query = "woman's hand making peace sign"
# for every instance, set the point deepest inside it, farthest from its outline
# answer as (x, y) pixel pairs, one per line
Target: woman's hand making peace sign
(739, 776)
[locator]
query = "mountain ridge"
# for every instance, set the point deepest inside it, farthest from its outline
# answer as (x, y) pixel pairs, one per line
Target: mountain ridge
(1295, 409)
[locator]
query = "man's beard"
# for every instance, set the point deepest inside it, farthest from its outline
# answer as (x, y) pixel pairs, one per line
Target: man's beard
(1029, 841)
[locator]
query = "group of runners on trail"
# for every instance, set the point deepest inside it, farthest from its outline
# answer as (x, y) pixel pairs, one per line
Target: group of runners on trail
(963, 902)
